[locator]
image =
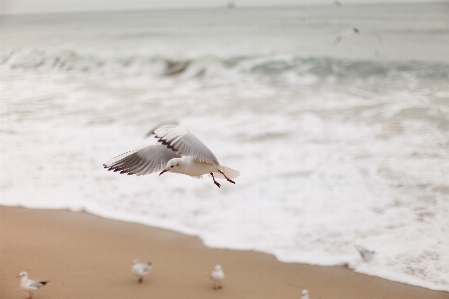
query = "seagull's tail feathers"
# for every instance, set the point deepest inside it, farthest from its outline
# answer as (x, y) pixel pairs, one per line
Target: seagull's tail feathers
(228, 172)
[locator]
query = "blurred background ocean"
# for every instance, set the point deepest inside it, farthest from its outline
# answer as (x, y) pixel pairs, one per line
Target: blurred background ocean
(337, 144)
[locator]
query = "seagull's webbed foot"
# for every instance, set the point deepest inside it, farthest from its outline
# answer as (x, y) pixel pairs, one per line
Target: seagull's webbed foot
(215, 182)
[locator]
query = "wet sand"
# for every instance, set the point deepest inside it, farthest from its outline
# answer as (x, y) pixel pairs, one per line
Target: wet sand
(86, 256)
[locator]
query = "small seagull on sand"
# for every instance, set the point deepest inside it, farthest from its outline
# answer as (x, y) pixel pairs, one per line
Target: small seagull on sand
(177, 151)
(365, 254)
(346, 33)
(29, 285)
(305, 294)
(217, 275)
(140, 269)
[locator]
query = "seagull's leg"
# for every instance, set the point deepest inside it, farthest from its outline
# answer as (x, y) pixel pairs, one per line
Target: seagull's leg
(31, 295)
(140, 279)
(228, 179)
(215, 182)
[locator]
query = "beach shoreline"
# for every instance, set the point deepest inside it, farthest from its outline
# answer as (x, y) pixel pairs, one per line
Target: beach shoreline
(86, 256)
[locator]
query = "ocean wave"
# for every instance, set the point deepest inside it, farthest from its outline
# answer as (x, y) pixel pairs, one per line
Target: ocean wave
(272, 67)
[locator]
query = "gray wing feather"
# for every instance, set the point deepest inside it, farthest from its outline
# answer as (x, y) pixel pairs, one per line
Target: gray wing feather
(36, 284)
(183, 142)
(142, 161)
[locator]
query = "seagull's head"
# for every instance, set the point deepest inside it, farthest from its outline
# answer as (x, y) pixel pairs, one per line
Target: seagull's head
(136, 261)
(22, 274)
(217, 268)
(172, 166)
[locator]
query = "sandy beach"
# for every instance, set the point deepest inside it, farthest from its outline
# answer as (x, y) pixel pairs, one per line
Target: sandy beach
(86, 256)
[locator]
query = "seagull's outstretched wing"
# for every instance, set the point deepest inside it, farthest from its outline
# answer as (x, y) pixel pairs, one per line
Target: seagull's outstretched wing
(142, 161)
(184, 143)
(337, 39)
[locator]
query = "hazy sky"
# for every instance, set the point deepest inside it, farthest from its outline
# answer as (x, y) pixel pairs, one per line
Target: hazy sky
(52, 6)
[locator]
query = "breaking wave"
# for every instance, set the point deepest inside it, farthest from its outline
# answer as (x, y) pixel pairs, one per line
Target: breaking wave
(273, 68)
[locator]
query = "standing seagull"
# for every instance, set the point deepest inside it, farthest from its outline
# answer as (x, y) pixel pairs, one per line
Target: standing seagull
(365, 254)
(217, 275)
(346, 33)
(140, 269)
(305, 294)
(29, 285)
(178, 151)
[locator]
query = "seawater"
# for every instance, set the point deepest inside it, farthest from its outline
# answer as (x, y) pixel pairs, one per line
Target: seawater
(337, 144)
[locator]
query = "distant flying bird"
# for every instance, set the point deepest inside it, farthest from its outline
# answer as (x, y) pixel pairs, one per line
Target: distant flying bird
(305, 294)
(346, 33)
(338, 3)
(29, 285)
(140, 270)
(178, 151)
(365, 254)
(380, 41)
(217, 276)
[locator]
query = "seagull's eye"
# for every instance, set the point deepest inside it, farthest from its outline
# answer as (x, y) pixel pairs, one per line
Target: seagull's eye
(177, 164)
(171, 166)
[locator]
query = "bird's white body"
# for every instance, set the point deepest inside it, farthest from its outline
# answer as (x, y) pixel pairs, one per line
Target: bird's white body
(29, 285)
(305, 294)
(192, 167)
(217, 276)
(177, 151)
(365, 254)
(139, 269)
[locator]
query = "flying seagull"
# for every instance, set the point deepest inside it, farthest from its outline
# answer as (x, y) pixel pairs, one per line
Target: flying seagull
(29, 285)
(346, 33)
(177, 151)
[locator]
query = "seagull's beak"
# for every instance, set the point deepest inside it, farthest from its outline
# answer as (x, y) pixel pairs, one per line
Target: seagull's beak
(165, 170)
(18, 276)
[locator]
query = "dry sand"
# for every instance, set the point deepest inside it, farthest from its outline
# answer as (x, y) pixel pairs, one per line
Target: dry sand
(86, 256)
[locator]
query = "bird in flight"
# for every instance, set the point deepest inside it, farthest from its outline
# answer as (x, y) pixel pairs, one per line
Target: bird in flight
(346, 33)
(177, 151)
